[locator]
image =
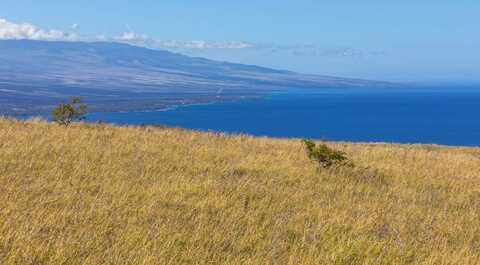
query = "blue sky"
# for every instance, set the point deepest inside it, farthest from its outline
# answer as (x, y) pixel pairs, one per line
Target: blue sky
(391, 40)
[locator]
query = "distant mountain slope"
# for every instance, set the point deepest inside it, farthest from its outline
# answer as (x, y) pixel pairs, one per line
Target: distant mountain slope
(38, 73)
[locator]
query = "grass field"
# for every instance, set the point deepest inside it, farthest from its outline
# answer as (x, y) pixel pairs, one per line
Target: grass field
(100, 194)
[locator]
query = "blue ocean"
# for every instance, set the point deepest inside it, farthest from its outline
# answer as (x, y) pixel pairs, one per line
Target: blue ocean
(417, 115)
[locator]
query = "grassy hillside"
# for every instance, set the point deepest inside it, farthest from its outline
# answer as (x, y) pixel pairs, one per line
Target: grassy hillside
(99, 194)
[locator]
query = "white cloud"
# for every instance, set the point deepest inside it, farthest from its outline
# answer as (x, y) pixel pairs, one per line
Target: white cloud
(11, 30)
(144, 40)
(310, 50)
(16, 31)
(200, 44)
(132, 37)
(101, 37)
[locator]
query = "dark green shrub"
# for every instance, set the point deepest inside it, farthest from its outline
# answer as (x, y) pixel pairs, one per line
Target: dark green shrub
(66, 113)
(325, 156)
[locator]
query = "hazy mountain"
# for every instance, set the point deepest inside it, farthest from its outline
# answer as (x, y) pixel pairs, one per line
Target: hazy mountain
(36, 74)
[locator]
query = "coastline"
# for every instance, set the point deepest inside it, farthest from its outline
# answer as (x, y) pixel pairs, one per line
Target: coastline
(418, 117)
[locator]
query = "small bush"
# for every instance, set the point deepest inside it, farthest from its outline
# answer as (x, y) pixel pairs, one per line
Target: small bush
(326, 157)
(66, 113)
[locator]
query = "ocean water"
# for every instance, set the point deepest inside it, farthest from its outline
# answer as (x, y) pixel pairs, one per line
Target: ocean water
(422, 115)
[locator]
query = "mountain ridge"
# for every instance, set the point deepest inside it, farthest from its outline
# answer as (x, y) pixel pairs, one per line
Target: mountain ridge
(43, 72)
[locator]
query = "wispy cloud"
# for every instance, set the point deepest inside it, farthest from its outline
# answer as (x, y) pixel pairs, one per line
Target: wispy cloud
(145, 40)
(131, 36)
(11, 30)
(314, 50)
(200, 44)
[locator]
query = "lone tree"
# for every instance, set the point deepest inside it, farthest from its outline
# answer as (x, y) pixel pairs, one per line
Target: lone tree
(325, 156)
(66, 113)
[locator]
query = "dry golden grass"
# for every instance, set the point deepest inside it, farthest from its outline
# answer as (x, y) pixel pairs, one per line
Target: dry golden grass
(100, 194)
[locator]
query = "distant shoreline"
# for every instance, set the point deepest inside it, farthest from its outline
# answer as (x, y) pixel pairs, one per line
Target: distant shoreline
(414, 116)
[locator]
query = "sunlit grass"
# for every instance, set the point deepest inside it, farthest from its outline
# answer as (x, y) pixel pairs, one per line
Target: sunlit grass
(100, 194)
